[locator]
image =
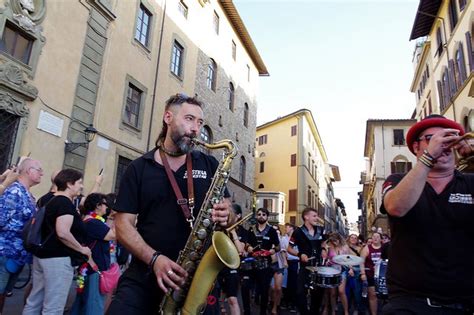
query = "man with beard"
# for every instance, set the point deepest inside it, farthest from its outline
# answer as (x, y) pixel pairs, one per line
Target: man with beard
(263, 242)
(431, 210)
(308, 239)
(152, 222)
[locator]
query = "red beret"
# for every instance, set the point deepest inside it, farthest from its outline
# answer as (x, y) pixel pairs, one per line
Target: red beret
(428, 122)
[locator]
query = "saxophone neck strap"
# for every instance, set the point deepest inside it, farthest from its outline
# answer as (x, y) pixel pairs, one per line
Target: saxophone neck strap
(187, 205)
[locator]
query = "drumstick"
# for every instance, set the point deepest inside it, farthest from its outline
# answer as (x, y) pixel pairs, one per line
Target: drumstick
(311, 258)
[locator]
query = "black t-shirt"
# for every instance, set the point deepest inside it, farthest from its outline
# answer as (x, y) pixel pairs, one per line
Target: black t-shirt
(59, 206)
(431, 253)
(44, 199)
(96, 231)
(308, 244)
(267, 238)
(146, 191)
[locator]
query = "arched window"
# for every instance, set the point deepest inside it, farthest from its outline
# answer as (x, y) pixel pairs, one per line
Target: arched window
(261, 186)
(262, 154)
(206, 134)
(242, 170)
(400, 164)
(231, 96)
(211, 75)
(246, 115)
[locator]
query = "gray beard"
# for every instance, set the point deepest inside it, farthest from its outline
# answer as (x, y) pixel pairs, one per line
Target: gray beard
(183, 144)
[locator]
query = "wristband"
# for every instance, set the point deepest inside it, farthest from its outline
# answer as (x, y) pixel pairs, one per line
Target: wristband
(429, 156)
(425, 161)
(153, 259)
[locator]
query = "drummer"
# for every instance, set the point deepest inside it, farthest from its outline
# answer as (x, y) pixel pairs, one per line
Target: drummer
(337, 246)
(308, 239)
(262, 243)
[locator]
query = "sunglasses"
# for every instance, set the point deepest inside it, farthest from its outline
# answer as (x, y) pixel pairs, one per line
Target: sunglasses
(261, 214)
(425, 137)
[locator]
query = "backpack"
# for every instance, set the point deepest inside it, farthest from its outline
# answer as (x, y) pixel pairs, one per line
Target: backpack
(31, 234)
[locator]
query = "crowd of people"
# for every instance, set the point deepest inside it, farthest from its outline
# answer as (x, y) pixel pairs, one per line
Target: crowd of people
(305, 269)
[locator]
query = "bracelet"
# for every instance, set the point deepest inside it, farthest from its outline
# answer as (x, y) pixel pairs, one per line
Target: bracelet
(425, 161)
(429, 156)
(153, 259)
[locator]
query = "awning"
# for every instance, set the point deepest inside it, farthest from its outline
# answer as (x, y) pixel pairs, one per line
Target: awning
(424, 22)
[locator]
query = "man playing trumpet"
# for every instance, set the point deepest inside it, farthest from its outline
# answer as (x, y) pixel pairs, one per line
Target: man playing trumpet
(431, 210)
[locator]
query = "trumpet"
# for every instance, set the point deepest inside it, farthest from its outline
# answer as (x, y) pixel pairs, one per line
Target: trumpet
(464, 162)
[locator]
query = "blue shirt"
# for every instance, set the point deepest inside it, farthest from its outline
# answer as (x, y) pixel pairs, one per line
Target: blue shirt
(17, 205)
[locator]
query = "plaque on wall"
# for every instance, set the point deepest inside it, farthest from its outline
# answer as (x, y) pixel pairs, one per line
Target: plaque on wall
(50, 123)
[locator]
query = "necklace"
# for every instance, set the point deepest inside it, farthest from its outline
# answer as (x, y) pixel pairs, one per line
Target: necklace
(97, 217)
(161, 147)
(443, 176)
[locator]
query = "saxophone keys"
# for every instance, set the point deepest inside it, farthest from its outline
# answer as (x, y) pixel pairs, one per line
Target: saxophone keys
(206, 222)
(197, 244)
(193, 256)
(201, 234)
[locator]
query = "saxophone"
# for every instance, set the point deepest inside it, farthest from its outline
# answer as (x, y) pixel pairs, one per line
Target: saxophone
(206, 251)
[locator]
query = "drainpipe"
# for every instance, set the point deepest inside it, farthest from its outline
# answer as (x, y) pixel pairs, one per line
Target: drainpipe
(155, 83)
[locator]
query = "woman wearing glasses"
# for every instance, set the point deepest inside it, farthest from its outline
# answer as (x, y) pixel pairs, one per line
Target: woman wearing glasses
(100, 233)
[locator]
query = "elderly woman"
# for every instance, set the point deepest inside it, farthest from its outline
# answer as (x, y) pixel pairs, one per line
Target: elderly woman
(53, 263)
(89, 300)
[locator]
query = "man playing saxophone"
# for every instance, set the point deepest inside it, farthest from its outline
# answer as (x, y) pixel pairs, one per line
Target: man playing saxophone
(156, 206)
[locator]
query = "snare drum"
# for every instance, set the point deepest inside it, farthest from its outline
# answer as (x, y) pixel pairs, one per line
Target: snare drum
(380, 280)
(327, 277)
(247, 264)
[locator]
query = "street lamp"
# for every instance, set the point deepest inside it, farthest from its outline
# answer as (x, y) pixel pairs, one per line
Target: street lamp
(89, 134)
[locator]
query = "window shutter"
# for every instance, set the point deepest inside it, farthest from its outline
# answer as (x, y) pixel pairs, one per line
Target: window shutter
(392, 167)
(451, 78)
(462, 71)
(470, 52)
(440, 94)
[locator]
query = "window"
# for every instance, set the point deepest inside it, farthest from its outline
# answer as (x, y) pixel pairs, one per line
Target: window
(248, 73)
(206, 134)
(234, 50)
(183, 9)
(439, 40)
(400, 167)
(292, 200)
(16, 43)
(430, 107)
(262, 167)
(211, 75)
(142, 33)
(293, 130)
(246, 115)
(177, 60)
(121, 167)
(293, 160)
(215, 22)
(398, 137)
(242, 170)
(462, 4)
(460, 73)
(231, 96)
(8, 134)
(453, 14)
(262, 140)
(310, 198)
(261, 186)
(132, 107)
(268, 204)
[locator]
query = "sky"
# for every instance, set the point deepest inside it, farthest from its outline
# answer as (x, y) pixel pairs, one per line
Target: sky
(345, 60)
